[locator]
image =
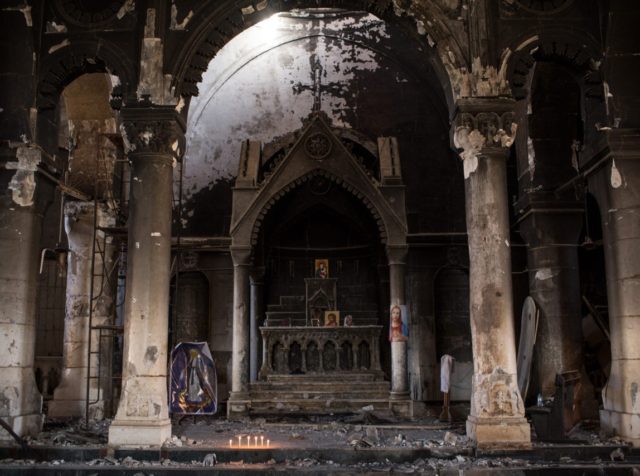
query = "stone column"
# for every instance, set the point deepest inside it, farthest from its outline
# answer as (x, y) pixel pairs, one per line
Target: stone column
(256, 312)
(616, 186)
(70, 397)
(154, 136)
(551, 229)
(484, 132)
(22, 204)
(397, 256)
(238, 398)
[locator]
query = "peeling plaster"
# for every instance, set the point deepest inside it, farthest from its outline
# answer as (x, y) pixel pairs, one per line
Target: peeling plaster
(8, 399)
(480, 81)
(23, 183)
(53, 27)
(59, 46)
(616, 177)
(545, 274)
(174, 19)
(26, 11)
(273, 88)
(531, 158)
(471, 143)
(128, 7)
(151, 355)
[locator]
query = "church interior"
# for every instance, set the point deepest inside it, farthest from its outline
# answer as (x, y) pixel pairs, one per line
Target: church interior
(419, 212)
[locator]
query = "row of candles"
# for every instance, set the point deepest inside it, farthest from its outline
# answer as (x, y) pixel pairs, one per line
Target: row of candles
(241, 442)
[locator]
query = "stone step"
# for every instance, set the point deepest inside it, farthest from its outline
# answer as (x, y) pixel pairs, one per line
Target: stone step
(307, 406)
(369, 389)
(324, 378)
(318, 395)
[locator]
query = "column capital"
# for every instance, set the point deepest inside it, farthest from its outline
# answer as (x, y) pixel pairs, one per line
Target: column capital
(484, 127)
(241, 255)
(151, 129)
(397, 254)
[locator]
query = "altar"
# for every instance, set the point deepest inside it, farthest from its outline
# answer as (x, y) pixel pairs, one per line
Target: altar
(313, 361)
(320, 350)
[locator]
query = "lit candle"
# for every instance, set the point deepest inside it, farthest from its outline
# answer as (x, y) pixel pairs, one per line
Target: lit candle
(255, 441)
(230, 443)
(261, 440)
(239, 441)
(268, 443)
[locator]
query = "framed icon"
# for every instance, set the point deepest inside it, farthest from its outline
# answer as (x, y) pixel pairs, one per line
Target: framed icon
(321, 268)
(331, 318)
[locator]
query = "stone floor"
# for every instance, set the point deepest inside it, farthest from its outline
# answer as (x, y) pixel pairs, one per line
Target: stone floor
(363, 443)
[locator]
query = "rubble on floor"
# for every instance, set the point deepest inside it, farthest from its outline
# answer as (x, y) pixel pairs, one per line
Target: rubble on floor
(324, 443)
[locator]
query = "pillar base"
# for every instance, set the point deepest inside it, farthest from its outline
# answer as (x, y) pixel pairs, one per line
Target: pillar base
(407, 408)
(505, 432)
(238, 405)
(20, 401)
(622, 425)
(136, 433)
(22, 425)
(398, 395)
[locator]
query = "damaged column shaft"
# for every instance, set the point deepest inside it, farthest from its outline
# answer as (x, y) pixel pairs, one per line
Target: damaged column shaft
(237, 404)
(497, 411)
(70, 396)
(551, 230)
(153, 134)
(22, 204)
(616, 187)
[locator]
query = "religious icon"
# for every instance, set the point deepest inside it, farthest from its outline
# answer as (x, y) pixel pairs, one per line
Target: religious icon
(193, 381)
(322, 268)
(331, 318)
(348, 320)
(398, 327)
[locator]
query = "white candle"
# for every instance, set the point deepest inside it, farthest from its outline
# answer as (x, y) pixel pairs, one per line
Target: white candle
(255, 441)
(248, 441)
(268, 443)
(239, 441)
(261, 440)
(230, 443)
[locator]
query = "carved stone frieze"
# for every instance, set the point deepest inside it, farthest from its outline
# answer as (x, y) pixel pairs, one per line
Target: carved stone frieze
(153, 129)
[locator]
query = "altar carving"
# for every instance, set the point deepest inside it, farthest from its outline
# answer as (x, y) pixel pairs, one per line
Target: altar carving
(317, 350)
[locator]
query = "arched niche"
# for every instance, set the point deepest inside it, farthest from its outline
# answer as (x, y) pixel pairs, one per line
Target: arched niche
(189, 307)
